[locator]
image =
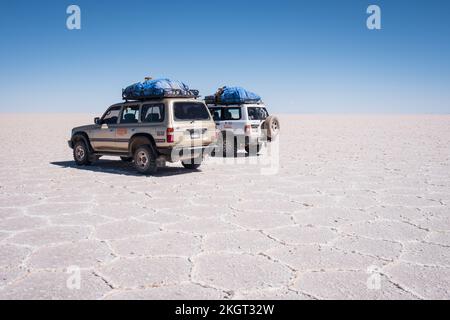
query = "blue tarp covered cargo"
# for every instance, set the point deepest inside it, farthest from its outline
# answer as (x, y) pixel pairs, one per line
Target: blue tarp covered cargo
(157, 88)
(233, 95)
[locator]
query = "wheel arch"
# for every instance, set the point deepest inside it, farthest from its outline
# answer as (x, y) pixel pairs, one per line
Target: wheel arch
(81, 135)
(139, 139)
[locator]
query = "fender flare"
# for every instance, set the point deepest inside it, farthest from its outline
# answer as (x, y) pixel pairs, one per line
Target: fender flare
(82, 136)
(142, 137)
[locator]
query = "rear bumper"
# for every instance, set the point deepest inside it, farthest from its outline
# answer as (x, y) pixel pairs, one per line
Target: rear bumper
(252, 140)
(246, 140)
(184, 153)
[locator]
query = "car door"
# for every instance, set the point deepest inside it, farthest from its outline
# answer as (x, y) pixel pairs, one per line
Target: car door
(256, 115)
(153, 119)
(103, 137)
(192, 123)
(232, 121)
(127, 126)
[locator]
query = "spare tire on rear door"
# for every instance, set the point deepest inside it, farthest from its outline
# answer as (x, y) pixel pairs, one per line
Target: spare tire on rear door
(272, 127)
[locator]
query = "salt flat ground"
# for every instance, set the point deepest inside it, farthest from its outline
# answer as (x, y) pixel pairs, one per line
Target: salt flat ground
(359, 209)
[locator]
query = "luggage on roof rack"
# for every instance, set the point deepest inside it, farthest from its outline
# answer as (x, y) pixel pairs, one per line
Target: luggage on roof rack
(210, 100)
(232, 95)
(158, 89)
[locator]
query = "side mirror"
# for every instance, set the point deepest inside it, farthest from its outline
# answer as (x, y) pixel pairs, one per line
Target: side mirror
(97, 120)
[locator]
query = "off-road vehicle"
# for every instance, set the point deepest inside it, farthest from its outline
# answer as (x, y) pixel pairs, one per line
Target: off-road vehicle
(148, 133)
(243, 125)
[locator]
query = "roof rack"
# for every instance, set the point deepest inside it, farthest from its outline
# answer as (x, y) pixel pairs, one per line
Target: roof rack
(212, 100)
(161, 94)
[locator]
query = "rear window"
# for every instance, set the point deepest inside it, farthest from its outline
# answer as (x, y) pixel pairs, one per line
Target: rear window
(257, 113)
(190, 111)
(231, 113)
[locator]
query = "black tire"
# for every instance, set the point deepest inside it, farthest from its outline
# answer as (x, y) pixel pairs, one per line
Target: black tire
(192, 164)
(82, 154)
(126, 159)
(272, 127)
(252, 149)
(145, 160)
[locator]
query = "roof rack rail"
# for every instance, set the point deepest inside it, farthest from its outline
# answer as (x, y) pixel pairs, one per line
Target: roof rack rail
(213, 100)
(161, 94)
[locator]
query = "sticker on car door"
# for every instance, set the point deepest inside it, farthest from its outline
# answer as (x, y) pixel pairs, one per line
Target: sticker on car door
(121, 131)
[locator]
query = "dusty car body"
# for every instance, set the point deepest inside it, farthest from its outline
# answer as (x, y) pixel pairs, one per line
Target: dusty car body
(148, 133)
(244, 125)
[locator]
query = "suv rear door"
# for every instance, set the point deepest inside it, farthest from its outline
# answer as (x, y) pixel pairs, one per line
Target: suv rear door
(192, 123)
(256, 115)
(231, 119)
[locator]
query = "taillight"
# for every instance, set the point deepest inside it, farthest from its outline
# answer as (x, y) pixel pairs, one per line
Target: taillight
(170, 135)
(248, 129)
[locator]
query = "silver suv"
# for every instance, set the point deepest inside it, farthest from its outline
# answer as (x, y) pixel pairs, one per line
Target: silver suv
(148, 133)
(244, 125)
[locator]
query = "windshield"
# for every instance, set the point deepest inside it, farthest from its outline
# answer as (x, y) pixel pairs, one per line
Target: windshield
(190, 111)
(257, 113)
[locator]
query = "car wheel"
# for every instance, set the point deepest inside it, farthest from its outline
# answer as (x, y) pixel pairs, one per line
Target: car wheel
(145, 160)
(126, 159)
(252, 150)
(272, 125)
(192, 164)
(81, 154)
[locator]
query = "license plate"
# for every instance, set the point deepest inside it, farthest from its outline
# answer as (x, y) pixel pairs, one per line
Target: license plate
(195, 135)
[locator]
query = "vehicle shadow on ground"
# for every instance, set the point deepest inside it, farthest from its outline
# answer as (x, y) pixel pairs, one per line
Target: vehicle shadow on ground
(121, 168)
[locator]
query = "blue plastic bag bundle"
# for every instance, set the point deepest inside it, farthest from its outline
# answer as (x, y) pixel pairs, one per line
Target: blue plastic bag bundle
(233, 95)
(157, 88)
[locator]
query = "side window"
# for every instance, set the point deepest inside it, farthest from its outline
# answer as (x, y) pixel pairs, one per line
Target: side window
(216, 113)
(111, 116)
(257, 113)
(130, 114)
(153, 113)
(231, 114)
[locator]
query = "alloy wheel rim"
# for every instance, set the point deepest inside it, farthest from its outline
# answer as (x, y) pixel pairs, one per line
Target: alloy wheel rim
(142, 159)
(80, 153)
(275, 126)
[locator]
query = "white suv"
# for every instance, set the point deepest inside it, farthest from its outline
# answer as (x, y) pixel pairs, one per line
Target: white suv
(247, 125)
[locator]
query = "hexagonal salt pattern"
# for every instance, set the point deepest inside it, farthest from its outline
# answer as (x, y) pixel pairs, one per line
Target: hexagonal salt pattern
(358, 209)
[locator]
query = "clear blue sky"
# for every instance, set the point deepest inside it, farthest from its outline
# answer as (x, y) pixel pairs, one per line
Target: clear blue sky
(300, 56)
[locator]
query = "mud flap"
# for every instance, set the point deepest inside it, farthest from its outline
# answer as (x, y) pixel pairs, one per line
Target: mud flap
(161, 162)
